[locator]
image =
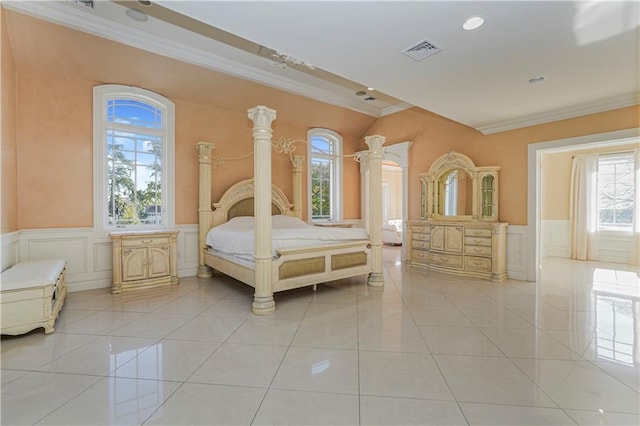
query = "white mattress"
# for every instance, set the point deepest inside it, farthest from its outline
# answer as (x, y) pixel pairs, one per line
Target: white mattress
(236, 236)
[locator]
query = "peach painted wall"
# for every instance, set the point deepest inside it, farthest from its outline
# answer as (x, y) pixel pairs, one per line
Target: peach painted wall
(231, 132)
(55, 152)
(55, 143)
(8, 149)
(556, 180)
(434, 136)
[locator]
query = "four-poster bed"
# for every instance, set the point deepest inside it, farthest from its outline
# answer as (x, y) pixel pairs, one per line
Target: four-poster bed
(295, 265)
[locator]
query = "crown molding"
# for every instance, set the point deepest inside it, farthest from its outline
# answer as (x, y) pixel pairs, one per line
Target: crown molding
(392, 109)
(69, 15)
(562, 113)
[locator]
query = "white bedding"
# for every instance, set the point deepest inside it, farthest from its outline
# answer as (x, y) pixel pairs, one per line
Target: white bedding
(236, 236)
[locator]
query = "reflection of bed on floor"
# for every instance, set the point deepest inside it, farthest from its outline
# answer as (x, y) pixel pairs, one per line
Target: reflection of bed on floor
(273, 261)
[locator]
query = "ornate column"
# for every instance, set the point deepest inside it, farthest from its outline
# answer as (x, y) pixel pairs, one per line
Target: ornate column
(205, 149)
(363, 160)
(298, 162)
(262, 118)
(376, 278)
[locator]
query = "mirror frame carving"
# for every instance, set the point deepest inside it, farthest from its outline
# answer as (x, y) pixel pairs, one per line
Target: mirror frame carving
(430, 188)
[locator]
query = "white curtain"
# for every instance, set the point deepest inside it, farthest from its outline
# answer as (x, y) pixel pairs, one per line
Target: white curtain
(583, 212)
(635, 238)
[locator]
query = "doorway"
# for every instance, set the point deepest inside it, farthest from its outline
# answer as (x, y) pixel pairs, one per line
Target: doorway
(535, 184)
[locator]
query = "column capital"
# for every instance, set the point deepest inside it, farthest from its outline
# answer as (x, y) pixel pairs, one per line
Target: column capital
(375, 142)
(298, 163)
(261, 116)
(205, 149)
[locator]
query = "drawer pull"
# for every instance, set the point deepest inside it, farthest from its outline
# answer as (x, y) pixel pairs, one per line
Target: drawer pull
(147, 241)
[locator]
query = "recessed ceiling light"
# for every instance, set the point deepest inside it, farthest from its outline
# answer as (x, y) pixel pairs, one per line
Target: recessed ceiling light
(539, 79)
(136, 15)
(144, 2)
(473, 23)
(361, 93)
(370, 88)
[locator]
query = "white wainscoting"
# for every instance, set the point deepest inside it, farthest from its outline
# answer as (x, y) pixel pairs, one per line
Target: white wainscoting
(517, 246)
(612, 246)
(88, 253)
(555, 238)
(10, 249)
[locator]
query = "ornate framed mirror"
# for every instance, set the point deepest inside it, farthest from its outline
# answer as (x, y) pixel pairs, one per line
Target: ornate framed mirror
(455, 189)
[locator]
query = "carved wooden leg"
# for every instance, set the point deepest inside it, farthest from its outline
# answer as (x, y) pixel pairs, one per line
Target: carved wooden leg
(205, 271)
(49, 326)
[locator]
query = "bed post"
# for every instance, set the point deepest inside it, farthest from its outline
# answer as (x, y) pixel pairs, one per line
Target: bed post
(205, 149)
(262, 118)
(376, 278)
(297, 162)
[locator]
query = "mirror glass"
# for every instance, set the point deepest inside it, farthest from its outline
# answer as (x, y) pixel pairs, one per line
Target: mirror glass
(455, 193)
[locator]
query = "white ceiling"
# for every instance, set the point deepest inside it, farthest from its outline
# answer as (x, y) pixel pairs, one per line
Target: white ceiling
(587, 51)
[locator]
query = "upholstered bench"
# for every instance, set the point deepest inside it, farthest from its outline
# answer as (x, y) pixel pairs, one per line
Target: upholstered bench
(32, 295)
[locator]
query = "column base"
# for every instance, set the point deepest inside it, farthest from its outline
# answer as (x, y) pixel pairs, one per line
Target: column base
(204, 272)
(263, 305)
(375, 279)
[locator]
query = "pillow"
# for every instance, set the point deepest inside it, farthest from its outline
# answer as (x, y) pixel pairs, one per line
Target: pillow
(241, 221)
(282, 221)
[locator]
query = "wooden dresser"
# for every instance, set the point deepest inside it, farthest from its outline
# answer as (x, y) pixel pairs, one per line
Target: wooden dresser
(473, 249)
(144, 259)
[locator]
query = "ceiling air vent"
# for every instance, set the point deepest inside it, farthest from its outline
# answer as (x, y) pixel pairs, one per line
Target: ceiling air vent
(422, 50)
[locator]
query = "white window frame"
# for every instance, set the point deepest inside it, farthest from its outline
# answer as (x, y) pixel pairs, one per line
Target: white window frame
(336, 177)
(101, 94)
(612, 227)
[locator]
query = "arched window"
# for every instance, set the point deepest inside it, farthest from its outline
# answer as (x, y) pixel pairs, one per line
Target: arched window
(133, 158)
(325, 175)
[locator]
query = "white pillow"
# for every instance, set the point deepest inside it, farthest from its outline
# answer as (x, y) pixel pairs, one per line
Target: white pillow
(282, 221)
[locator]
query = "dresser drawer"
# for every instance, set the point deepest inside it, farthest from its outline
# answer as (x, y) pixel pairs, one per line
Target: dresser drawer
(477, 250)
(151, 241)
(477, 232)
(477, 263)
(477, 241)
(421, 237)
(446, 260)
(421, 229)
(419, 256)
(420, 245)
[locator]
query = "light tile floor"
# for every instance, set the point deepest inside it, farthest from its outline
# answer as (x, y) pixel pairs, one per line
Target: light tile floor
(425, 349)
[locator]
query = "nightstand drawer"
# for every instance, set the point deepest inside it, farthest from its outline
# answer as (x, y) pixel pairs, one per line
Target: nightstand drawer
(142, 241)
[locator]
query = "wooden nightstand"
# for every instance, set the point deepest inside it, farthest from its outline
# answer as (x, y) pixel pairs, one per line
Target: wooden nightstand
(144, 259)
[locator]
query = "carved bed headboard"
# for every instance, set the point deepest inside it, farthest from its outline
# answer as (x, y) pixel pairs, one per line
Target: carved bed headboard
(245, 208)
(238, 201)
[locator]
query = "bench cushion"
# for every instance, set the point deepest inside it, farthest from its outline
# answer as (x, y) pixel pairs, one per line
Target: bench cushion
(31, 273)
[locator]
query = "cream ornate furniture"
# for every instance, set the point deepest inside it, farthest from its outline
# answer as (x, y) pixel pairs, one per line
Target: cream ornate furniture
(257, 197)
(144, 259)
(33, 293)
(459, 232)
